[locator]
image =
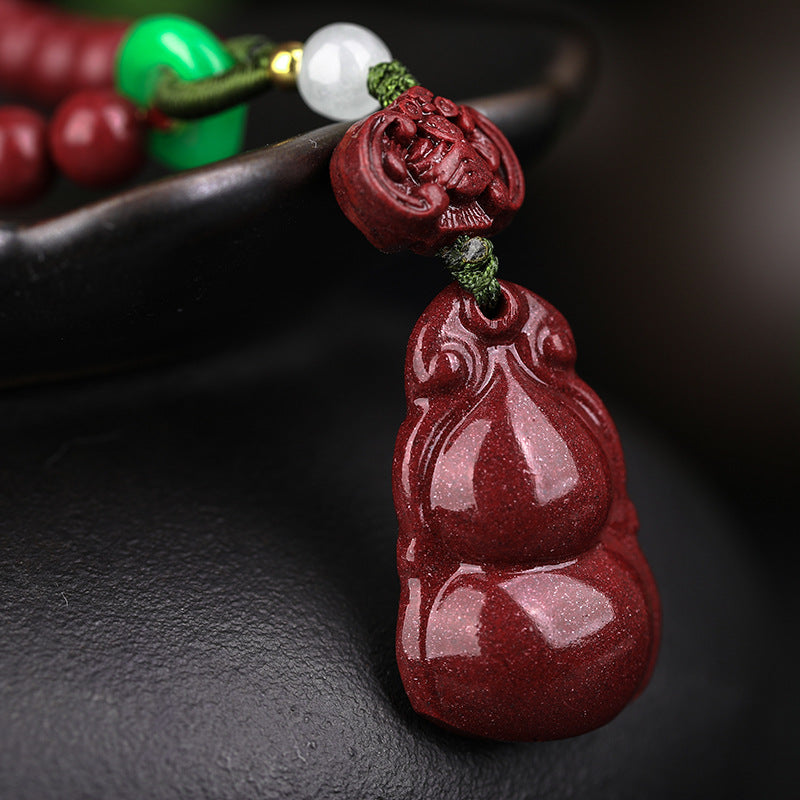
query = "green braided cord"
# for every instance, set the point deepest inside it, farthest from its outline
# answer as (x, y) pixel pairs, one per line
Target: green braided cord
(249, 77)
(388, 80)
(253, 49)
(473, 265)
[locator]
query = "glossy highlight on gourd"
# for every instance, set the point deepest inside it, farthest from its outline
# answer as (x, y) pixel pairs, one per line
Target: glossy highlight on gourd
(527, 609)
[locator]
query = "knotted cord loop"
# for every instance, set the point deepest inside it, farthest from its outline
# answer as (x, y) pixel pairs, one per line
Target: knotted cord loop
(473, 265)
(388, 80)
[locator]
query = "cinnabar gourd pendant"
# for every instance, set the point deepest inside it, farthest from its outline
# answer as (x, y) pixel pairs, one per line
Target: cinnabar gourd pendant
(527, 609)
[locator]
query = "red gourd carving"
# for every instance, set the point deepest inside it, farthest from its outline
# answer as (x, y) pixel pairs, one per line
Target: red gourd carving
(423, 171)
(527, 609)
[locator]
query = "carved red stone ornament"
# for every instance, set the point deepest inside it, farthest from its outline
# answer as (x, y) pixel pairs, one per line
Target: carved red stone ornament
(527, 609)
(423, 171)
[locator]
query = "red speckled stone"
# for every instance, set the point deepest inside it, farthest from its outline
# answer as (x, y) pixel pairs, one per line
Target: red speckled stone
(527, 609)
(423, 171)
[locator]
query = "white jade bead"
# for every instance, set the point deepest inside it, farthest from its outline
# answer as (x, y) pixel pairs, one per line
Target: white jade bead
(333, 72)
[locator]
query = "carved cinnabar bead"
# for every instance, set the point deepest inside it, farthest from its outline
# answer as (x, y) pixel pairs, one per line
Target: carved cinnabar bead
(423, 171)
(527, 609)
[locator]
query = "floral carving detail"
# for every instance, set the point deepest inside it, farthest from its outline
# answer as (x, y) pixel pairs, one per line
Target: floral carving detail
(425, 170)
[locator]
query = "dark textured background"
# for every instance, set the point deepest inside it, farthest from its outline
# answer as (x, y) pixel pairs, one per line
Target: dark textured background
(197, 581)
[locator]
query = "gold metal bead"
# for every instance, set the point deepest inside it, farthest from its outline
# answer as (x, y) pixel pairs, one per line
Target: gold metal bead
(285, 64)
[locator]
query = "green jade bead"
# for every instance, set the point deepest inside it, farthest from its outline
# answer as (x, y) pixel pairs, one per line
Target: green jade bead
(193, 52)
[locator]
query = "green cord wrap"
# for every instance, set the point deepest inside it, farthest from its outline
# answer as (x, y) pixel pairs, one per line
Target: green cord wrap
(388, 80)
(249, 77)
(473, 265)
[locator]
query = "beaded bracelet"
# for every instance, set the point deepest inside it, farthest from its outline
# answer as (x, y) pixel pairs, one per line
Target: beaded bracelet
(527, 610)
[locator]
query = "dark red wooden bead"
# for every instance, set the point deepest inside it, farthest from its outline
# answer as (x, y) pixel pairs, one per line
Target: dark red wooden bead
(423, 171)
(19, 47)
(24, 163)
(48, 55)
(93, 66)
(527, 609)
(96, 138)
(49, 78)
(11, 9)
